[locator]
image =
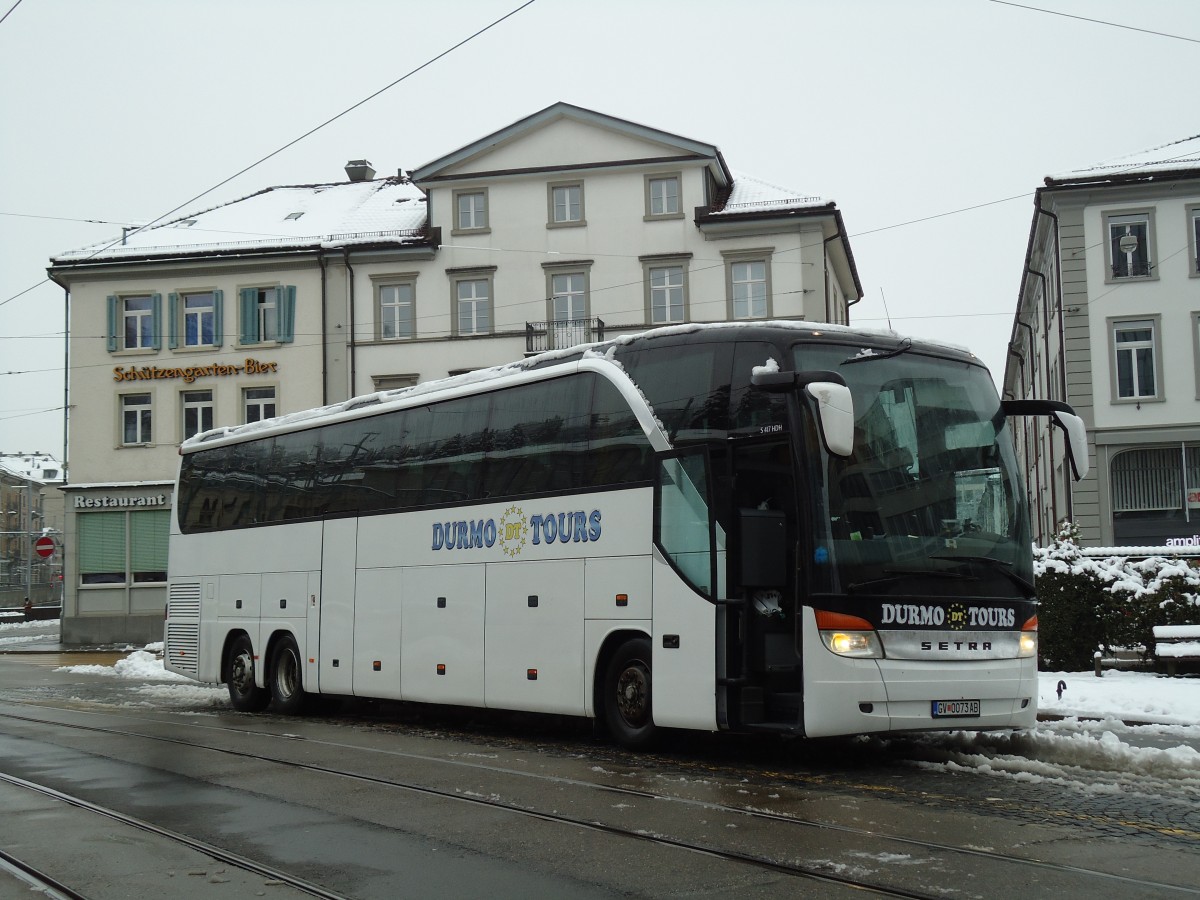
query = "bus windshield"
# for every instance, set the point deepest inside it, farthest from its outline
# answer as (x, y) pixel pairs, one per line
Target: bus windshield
(930, 502)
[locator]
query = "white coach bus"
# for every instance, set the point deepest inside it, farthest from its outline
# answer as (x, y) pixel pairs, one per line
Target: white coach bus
(780, 527)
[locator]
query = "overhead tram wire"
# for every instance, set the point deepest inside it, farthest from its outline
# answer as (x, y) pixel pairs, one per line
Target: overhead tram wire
(1054, 12)
(293, 142)
(10, 11)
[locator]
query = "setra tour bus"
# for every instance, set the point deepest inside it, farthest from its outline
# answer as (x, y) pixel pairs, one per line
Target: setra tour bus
(777, 527)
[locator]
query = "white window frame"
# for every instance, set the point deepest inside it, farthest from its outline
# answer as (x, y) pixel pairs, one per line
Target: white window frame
(477, 218)
(259, 403)
(659, 295)
(142, 319)
(1114, 222)
(199, 315)
(656, 193)
(1193, 225)
(1117, 351)
(267, 306)
(734, 281)
(136, 410)
(388, 306)
(197, 404)
(565, 205)
(475, 287)
(1195, 318)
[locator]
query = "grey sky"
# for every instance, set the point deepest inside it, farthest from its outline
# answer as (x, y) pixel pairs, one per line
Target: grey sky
(898, 111)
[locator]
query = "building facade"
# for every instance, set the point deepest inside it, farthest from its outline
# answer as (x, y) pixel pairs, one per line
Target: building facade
(565, 227)
(31, 510)
(1108, 320)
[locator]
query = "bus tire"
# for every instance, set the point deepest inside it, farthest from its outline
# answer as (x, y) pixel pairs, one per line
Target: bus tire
(244, 694)
(287, 677)
(627, 700)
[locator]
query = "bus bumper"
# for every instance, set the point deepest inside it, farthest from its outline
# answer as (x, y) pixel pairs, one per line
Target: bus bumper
(861, 696)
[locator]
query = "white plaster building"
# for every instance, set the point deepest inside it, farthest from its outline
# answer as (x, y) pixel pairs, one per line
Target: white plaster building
(564, 227)
(1108, 319)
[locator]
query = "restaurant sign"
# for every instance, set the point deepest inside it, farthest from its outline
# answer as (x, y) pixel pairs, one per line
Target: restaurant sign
(191, 373)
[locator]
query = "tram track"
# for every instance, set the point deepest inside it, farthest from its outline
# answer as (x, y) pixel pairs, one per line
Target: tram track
(35, 877)
(793, 868)
(36, 880)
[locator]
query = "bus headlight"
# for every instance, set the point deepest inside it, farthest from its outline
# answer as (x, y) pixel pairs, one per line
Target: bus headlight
(848, 635)
(1028, 646)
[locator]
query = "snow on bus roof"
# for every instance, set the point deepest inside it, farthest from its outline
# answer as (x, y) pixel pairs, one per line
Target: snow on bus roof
(453, 385)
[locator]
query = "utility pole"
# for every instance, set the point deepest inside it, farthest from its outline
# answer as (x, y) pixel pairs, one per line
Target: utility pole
(29, 538)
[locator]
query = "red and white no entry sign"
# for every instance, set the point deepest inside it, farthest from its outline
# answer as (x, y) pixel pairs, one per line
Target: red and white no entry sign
(44, 546)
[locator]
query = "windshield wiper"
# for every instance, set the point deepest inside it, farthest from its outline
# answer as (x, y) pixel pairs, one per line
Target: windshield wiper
(870, 354)
(895, 575)
(998, 565)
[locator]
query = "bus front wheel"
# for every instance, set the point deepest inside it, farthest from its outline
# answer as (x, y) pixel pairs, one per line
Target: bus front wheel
(627, 695)
(287, 690)
(244, 694)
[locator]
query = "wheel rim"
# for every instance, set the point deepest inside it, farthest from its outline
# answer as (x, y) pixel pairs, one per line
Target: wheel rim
(287, 676)
(633, 694)
(242, 673)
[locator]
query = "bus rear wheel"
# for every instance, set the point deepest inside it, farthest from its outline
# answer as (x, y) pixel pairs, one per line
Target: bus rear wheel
(287, 685)
(244, 694)
(628, 700)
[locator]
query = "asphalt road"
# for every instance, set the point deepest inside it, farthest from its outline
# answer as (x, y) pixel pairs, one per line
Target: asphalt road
(395, 800)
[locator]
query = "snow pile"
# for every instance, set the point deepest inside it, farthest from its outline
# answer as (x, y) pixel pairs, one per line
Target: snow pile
(140, 665)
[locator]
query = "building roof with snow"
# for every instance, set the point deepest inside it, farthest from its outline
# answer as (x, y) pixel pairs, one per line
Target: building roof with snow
(40, 467)
(356, 213)
(1177, 159)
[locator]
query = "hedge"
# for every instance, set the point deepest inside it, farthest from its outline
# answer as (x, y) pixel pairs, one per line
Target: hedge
(1087, 603)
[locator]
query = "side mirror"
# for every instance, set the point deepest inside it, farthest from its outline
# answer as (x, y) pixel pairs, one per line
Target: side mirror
(1064, 417)
(835, 404)
(835, 412)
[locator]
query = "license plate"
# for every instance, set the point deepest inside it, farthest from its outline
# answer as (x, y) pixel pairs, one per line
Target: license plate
(956, 709)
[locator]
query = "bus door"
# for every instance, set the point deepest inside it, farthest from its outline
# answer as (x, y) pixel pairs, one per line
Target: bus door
(762, 676)
(331, 610)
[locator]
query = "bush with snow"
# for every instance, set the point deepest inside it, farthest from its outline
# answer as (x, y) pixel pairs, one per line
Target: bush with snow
(1104, 603)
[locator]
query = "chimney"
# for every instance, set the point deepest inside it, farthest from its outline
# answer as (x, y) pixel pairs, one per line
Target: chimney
(359, 170)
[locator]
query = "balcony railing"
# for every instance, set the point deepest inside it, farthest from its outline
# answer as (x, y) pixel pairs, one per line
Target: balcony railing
(562, 333)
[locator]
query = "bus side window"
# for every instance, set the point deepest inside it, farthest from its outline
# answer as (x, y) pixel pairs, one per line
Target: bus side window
(687, 387)
(619, 452)
(457, 440)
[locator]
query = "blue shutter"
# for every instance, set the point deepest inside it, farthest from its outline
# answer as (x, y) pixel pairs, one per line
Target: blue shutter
(248, 313)
(218, 318)
(112, 323)
(285, 301)
(156, 321)
(172, 321)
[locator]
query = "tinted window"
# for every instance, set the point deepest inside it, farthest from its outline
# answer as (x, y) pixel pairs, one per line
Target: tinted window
(687, 387)
(540, 437)
(618, 450)
(452, 449)
(563, 434)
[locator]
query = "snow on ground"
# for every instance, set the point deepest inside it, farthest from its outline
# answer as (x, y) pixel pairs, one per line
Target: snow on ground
(15, 630)
(1131, 696)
